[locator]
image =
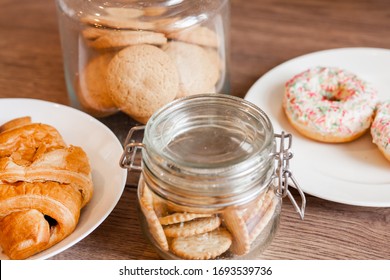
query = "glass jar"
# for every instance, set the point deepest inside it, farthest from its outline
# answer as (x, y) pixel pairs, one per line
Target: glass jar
(137, 56)
(212, 178)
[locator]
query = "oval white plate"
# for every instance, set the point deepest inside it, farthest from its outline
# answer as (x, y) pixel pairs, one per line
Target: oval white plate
(353, 173)
(102, 147)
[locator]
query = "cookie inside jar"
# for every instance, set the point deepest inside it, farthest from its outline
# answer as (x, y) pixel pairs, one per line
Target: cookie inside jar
(213, 175)
(137, 56)
(234, 232)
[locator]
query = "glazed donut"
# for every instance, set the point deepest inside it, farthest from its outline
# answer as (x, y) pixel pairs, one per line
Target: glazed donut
(329, 104)
(380, 128)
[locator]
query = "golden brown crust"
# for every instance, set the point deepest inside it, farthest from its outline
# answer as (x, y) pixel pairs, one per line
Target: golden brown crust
(26, 139)
(15, 123)
(67, 166)
(60, 202)
(43, 186)
(24, 233)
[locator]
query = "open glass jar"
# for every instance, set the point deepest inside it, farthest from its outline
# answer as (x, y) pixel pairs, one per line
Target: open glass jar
(136, 56)
(213, 178)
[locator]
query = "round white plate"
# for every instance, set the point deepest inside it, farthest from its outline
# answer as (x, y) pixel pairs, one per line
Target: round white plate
(353, 173)
(102, 147)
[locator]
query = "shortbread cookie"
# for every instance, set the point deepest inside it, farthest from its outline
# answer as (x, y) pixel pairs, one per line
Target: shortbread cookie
(141, 79)
(258, 205)
(92, 89)
(193, 227)
(181, 217)
(262, 220)
(160, 207)
(199, 35)
(118, 23)
(120, 39)
(123, 12)
(204, 246)
(154, 226)
(237, 227)
(198, 74)
(92, 33)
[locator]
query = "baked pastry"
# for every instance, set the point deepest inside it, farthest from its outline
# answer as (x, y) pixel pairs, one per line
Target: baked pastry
(35, 216)
(43, 186)
(380, 128)
(23, 141)
(141, 79)
(329, 104)
(92, 88)
(198, 72)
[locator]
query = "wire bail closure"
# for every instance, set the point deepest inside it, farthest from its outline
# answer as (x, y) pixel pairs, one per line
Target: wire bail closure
(129, 154)
(283, 176)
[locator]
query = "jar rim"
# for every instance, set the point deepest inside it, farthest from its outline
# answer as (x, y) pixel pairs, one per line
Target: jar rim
(181, 160)
(182, 13)
(212, 113)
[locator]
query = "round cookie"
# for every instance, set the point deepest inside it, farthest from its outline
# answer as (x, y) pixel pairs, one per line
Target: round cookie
(92, 33)
(204, 246)
(199, 35)
(141, 79)
(92, 89)
(181, 217)
(120, 39)
(155, 228)
(198, 74)
(123, 12)
(118, 22)
(235, 223)
(192, 227)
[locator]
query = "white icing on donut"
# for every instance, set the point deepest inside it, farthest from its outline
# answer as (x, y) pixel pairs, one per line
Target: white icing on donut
(330, 101)
(380, 128)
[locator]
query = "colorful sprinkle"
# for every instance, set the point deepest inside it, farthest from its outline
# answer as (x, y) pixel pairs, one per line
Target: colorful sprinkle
(330, 101)
(380, 128)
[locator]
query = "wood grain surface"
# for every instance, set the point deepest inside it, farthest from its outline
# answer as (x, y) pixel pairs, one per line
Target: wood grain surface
(264, 33)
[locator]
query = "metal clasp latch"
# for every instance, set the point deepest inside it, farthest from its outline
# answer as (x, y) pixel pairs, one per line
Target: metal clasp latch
(128, 158)
(283, 175)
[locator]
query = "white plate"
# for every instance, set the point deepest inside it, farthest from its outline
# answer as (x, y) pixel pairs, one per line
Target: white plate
(103, 150)
(354, 173)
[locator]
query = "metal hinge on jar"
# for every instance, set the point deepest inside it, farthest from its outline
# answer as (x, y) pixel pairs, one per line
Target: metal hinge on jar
(130, 150)
(283, 176)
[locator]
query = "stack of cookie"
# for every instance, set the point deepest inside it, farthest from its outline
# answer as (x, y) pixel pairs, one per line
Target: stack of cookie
(138, 65)
(201, 234)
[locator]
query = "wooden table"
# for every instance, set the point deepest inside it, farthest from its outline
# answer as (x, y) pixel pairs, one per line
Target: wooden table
(264, 33)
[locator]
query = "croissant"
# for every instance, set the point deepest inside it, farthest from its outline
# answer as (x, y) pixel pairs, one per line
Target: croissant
(44, 184)
(35, 216)
(68, 166)
(21, 140)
